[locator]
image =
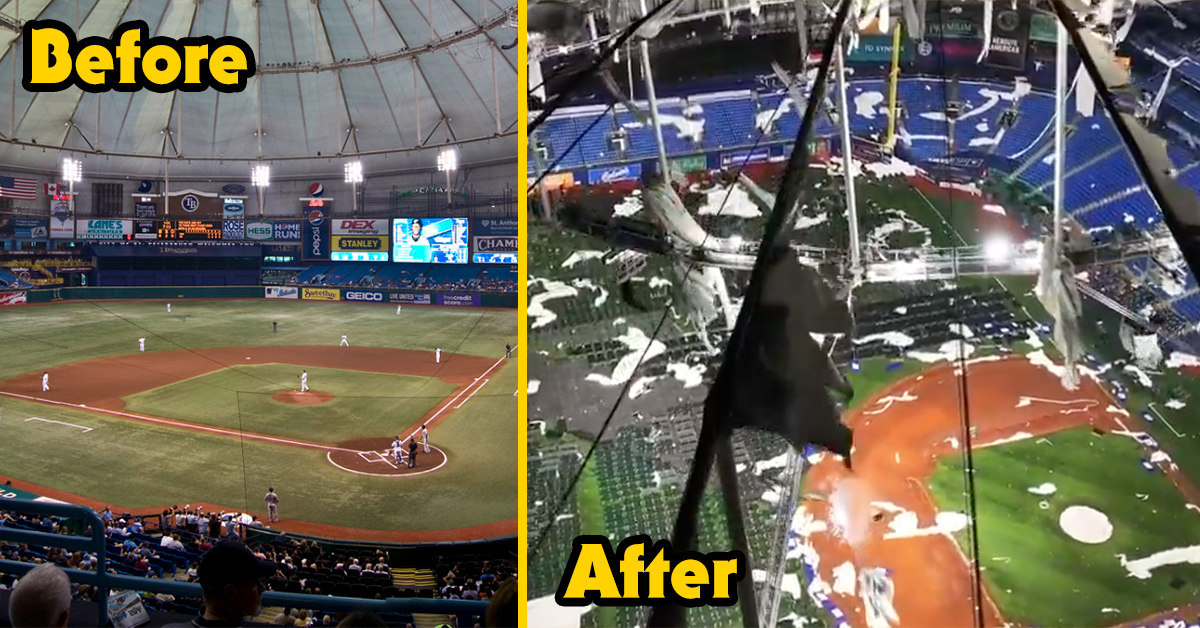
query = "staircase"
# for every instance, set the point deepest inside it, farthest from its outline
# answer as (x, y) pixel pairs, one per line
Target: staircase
(409, 578)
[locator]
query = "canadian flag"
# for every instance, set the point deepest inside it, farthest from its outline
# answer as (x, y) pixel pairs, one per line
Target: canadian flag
(51, 189)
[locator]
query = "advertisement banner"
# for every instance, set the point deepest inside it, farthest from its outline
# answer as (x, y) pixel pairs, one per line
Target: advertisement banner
(875, 49)
(103, 229)
(1010, 36)
(233, 230)
(953, 28)
(259, 231)
(364, 296)
(144, 228)
(316, 234)
(410, 297)
(11, 298)
(956, 168)
(1043, 27)
(15, 228)
(462, 300)
(62, 227)
(495, 226)
(359, 248)
(348, 226)
(233, 211)
(497, 244)
(616, 174)
(694, 163)
(287, 231)
(321, 294)
(559, 180)
(936, 56)
(283, 292)
(742, 158)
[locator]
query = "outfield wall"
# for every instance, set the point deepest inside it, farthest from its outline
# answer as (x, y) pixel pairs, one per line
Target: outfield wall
(308, 293)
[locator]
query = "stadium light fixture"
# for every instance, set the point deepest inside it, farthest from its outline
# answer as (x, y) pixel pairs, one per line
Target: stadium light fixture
(72, 170)
(997, 249)
(354, 172)
(260, 177)
(447, 160)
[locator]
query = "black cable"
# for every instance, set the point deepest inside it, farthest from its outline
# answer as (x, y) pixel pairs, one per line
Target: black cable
(962, 381)
(581, 78)
(658, 328)
(548, 169)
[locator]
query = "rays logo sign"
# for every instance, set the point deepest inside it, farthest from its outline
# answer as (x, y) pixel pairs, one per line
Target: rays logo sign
(55, 60)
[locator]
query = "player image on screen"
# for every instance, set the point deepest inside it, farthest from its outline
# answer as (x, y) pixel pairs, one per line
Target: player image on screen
(430, 240)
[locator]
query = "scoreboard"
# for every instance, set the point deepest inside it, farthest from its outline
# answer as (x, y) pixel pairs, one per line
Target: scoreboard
(189, 230)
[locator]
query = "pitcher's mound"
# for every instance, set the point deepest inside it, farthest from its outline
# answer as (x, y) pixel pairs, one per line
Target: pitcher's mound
(306, 398)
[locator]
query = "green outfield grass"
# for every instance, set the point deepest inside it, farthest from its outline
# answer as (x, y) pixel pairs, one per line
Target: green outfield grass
(1039, 576)
(365, 405)
(136, 464)
(40, 337)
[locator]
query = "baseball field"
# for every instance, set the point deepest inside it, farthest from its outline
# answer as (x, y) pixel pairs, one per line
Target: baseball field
(210, 413)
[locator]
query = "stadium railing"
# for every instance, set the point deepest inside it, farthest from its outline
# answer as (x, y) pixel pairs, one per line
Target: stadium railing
(103, 581)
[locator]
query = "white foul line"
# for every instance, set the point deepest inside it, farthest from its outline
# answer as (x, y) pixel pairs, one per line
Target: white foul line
(33, 418)
(1163, 419)
(464, 390)
(477, 389)
(190, 426)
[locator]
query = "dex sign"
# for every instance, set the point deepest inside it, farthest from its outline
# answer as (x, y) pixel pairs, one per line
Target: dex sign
(360, 227)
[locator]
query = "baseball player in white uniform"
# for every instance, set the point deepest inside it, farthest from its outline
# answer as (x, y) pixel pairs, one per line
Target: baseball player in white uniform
(272, 505)
(45, 381)
(425, 437)
(398, 308)
(141, 344)
(397, 452)
(168, 308)
(437, 356)
(345, 343)
(304, 381)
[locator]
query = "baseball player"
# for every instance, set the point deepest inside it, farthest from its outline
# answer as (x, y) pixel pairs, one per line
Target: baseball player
(398, 308)
(168, 308)
(304, 381)
(272, 505)
(397, 452)
(345, 343)
(425, 437)
(142, 344)
(437, 356)
(275, 326)
(45, 381)
(507, 351)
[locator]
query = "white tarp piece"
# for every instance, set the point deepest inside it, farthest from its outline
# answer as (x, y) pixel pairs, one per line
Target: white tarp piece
(1058, 293)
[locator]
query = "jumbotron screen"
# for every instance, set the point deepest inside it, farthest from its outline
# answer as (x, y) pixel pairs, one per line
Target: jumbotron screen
(430, 240)
(189, 230)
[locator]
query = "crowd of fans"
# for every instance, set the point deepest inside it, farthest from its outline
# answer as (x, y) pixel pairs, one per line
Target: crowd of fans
(179, 544)
(414, 281)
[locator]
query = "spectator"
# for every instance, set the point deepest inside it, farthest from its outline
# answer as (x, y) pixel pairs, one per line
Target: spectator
(232, 582)
(41, 597)
(502, 610)
(362, 619)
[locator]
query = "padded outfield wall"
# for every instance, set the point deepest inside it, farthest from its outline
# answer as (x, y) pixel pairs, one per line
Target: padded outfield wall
(389, 297)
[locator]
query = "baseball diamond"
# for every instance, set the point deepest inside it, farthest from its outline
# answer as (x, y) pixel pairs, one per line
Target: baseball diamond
(216, 383)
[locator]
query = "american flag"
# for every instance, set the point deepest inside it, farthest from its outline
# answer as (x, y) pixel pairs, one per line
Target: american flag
(14, 187)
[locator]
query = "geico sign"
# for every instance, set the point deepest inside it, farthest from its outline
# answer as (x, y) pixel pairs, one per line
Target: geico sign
(364, 296)
(357, 227)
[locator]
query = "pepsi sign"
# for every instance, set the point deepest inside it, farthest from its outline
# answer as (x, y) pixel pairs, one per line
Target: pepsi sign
(316, 190)
(627, 172)
(287, 231)
(315, 238)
